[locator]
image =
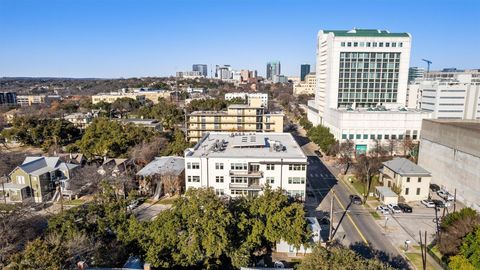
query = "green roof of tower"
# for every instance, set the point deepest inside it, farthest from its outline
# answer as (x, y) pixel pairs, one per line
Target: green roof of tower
(365, 33)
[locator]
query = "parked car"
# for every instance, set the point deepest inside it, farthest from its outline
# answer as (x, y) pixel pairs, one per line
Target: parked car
(428, 203)
(134, 204)
(445, 195)
(355, 199)
(318, 153)
(438, 203)
(383, 209)
(434, 187)
(394, 208)
(405, 207)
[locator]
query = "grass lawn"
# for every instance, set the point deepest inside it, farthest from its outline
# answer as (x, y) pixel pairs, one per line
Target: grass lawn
(416, 259)
(74, 202)
(375, 215)
(360, 187)
(169, 200)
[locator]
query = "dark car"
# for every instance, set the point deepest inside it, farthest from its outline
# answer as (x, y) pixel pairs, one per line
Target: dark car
(405, 207)
(355, 199)
(318, 153)
(438, 203)
(434, 187)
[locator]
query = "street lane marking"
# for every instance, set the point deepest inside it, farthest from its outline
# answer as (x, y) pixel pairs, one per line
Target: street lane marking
(351, 220)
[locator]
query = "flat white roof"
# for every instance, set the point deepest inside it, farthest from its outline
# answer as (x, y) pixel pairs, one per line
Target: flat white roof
(247, 145)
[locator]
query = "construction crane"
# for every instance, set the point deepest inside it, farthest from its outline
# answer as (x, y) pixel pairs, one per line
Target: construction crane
(428, 64)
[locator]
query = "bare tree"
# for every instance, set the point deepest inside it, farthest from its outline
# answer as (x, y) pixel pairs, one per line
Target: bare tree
(18, 225)
(378, 149)
(391, 146)
(145, 152)
(366, 167)
(346, 153)
(408, 145)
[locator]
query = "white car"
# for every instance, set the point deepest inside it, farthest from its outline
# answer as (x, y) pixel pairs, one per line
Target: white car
(428, 203)
(394, 208)
(445, 195)
(133, 205)
(383, 209)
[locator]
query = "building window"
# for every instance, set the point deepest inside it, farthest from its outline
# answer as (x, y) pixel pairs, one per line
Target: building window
(219, 179)
(270, 167)
(193, 178)
(406, 191)
(239, 166)
(418, 191)
(342, 44)
(359, 136)
(219, 192)
(372, 136)
(20, 179)
(239, 180)
(270, 180)
(379, 136)
(296, 193)
(344, 136)
(408, 179)
(239, 192)
(297, 167)
(350, 136)
(365, 136)
(218, 166)
(419, 179)
(296, 180)
(193, 165)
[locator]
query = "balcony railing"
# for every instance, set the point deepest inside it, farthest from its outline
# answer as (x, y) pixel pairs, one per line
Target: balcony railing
(246, 173)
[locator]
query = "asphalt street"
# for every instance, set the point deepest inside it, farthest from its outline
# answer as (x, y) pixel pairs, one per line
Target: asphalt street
(360, 228)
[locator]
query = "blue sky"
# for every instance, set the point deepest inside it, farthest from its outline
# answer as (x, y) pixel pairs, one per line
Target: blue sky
(127, 38)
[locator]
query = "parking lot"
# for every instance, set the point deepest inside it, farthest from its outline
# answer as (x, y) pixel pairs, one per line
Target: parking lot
(400, 227)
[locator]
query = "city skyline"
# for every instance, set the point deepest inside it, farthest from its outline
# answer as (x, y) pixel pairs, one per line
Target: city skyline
(112, 39)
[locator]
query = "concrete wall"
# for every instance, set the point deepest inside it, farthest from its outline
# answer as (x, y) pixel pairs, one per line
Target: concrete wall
(452, 155)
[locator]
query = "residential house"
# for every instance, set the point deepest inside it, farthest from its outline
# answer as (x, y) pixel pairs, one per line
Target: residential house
(314, 227)
(80, 120)
(163, 175)
(406, 178)
(115, 166)
(75, 158)
(41, 175)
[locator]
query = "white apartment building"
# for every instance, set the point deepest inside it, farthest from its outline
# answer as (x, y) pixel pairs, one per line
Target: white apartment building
(451, 100)
(251, 98)
(361, 85)
(306, 87)
(241, 164)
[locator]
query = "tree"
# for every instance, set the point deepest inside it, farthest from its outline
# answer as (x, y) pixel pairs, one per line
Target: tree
(177, 144)
(42, 132)
(321, 135)
(408, 145)
(125, 105)
(305, 123)
(110, 138)
(366, 168)
(338, 257)
(145, 152)
(391, 146)
(38, 254)
(346, 152)
(454, 228)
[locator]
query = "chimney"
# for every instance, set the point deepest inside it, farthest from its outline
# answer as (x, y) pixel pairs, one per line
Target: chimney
(146, 266)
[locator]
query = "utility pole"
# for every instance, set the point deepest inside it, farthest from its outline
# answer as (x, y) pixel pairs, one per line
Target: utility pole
(455, 201)
(331, 217)
(3, 189)
(423, 249)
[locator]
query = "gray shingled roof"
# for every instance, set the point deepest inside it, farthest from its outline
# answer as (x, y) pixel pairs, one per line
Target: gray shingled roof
(41, 165)
(163, 165)
(404, 166)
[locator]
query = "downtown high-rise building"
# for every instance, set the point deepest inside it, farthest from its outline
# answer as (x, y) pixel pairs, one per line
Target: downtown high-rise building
(273, 68)
(361, 89)
(202, 68)
(223, 72)
(304, 70)
(415, 73)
